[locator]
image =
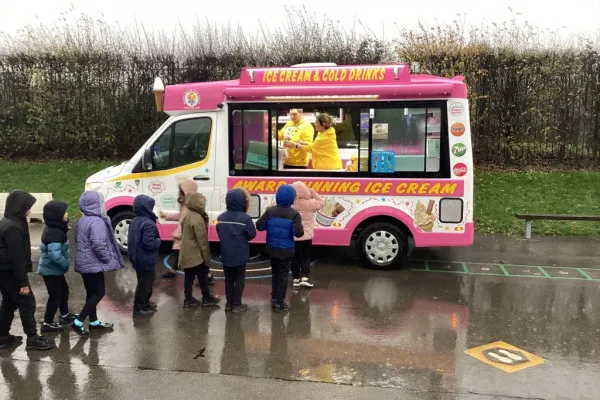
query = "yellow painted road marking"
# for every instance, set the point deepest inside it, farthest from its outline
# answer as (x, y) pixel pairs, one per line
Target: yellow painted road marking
(507, 360)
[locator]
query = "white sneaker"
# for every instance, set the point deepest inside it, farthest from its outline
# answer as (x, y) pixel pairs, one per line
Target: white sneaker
(296, 282)
(306, 283)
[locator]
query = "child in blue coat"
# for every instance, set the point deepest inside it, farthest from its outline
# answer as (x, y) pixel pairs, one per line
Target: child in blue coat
(54, 264)
(235, 229)
(143, 244)
(282, 224)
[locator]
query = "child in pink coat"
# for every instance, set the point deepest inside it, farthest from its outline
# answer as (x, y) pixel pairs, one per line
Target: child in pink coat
(307, 203)
(187, 186)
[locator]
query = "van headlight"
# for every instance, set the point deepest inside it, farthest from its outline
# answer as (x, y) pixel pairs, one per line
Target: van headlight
(93, 186)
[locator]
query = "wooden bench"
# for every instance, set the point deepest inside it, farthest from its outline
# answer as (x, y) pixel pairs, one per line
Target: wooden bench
(36, 210)
(552, 217)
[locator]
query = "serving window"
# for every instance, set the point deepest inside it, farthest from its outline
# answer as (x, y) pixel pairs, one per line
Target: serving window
(403, 140)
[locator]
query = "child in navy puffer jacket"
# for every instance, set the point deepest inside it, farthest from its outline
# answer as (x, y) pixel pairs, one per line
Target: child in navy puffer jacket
(235, 229)
(282, 224)
(54, 264)
(143, 243)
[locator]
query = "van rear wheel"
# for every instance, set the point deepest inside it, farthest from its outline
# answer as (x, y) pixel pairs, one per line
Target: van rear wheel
(382, 245)
(120, 223)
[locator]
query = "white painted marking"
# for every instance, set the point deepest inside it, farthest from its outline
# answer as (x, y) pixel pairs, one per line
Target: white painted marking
(515, 357)
(500, 358)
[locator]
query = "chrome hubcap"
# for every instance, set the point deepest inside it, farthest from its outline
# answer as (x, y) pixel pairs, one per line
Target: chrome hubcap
(121, 232)
(382, 247)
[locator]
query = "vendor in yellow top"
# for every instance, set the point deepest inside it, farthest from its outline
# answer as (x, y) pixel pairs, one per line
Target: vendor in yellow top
(324, 150)
(297, 129)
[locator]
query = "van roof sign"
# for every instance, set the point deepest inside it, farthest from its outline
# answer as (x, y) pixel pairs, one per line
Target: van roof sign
(325, 75)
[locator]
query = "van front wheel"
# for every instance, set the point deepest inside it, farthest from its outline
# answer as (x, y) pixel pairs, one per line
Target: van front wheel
(120, 224)
(382, 245)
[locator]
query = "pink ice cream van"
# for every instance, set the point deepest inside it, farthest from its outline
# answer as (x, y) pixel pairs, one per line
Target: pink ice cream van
(403, 142)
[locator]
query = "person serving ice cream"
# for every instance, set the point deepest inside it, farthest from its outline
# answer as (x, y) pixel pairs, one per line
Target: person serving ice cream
(324, 150)
(296, 129)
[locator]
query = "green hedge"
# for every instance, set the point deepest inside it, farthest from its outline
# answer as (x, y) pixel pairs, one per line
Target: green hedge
(84, 90)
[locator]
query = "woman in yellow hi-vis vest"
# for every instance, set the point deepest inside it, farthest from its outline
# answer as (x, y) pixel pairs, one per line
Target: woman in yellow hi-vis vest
(297, 129)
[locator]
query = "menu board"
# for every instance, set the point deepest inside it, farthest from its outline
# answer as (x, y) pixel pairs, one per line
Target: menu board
(383, 162)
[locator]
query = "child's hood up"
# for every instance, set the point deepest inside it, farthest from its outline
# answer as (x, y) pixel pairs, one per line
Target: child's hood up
(195, 202)
(189, 186)
(286, 194)
(302, 190)
(17, 204)
(237, 200)
(143, 206)
(54, 214)
(92, 204)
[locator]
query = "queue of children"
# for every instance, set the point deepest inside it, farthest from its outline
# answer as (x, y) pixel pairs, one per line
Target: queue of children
(289, 226)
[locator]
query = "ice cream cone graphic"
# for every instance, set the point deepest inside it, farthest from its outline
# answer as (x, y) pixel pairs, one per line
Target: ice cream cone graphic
(159, 91)
(424, 217)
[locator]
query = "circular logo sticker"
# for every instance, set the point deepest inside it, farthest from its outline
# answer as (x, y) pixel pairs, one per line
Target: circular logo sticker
(459, 150)
(459, 169)
(457, 129)
(456, 109)
(191, 98)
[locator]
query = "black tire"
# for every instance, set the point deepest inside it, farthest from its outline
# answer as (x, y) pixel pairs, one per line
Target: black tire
(390, 235)
(119, 218)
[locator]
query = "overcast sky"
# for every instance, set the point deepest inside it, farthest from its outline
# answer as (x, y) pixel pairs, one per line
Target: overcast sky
(574, 16)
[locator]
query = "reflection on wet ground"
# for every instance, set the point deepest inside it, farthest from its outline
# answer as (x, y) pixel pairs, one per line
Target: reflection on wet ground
(398, 329)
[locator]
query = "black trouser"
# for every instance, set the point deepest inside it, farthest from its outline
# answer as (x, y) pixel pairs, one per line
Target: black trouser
(143, 290)
(279, 282)
(175, 263)
(200, 271)
(301, 260)
(234, 284)
(58, 296)
(94, 292)
(11, 301)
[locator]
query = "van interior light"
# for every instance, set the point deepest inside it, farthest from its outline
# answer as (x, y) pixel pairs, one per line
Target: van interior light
(321, 98)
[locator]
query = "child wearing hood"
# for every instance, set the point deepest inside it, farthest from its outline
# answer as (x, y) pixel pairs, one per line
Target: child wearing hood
(235, 229)
(282, 224)
(194, 254)
(97, 253)
(143, 244)
(15, 263)
(54, 264)
(187, 186)
(307, 203)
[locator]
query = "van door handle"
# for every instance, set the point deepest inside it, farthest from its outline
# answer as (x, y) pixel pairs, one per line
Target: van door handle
(202, 178)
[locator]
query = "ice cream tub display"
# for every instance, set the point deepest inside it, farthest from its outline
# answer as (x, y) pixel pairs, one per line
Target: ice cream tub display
(330, 211)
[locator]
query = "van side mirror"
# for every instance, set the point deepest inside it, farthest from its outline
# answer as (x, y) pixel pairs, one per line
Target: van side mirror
(147, 159)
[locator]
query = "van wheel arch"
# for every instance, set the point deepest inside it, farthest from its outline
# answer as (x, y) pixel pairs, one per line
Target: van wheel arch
(395, 233)
(381, 218)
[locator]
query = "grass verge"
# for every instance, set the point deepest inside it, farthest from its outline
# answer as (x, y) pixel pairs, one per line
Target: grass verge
(498, 194)
(64, 179)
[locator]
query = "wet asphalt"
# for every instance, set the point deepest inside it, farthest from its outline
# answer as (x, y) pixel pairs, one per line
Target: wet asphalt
(358, 334)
